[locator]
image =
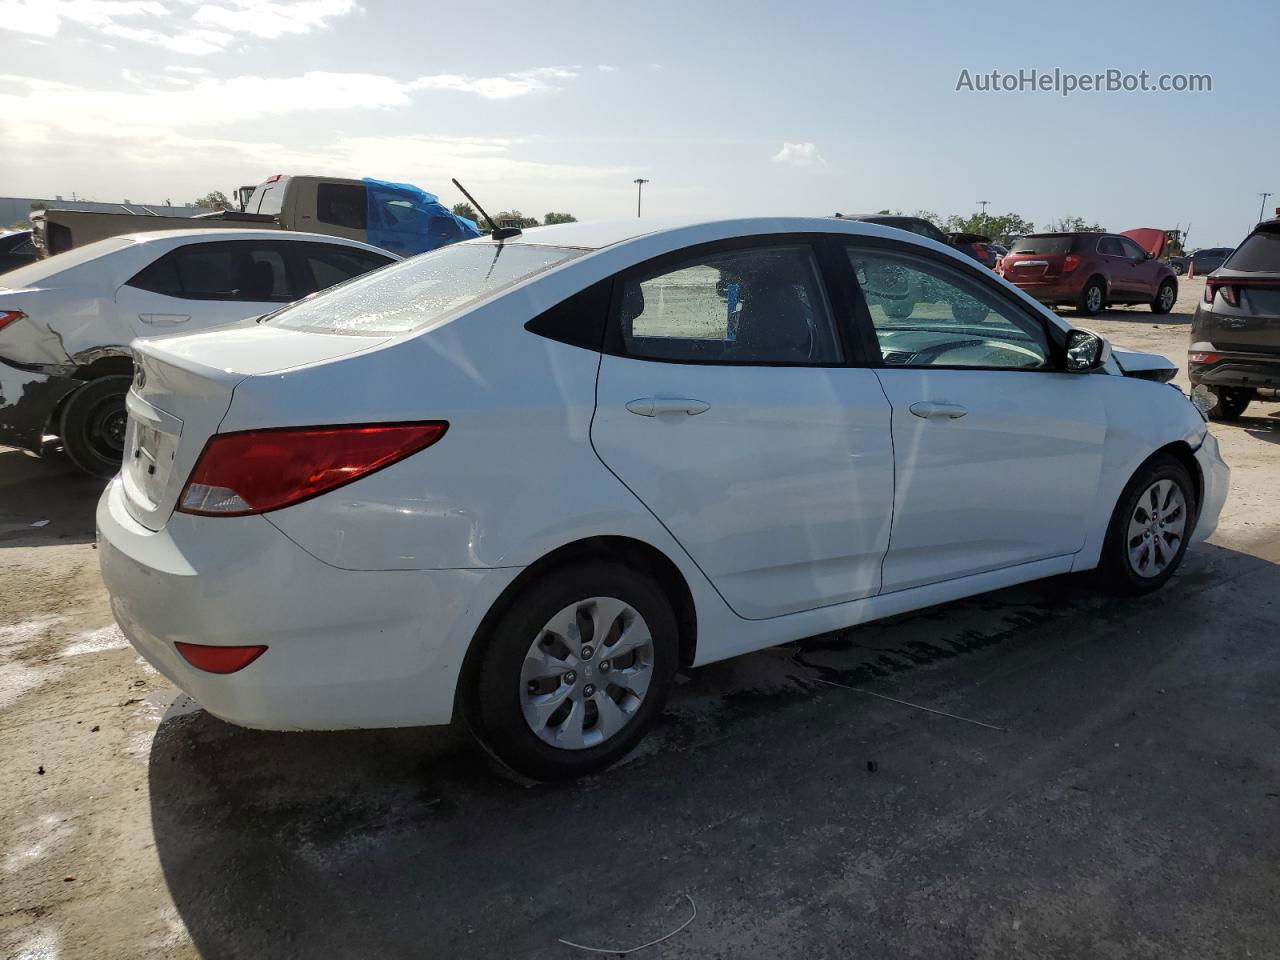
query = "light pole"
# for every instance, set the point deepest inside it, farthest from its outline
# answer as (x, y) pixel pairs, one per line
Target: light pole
(1263, 209)
(639, 182)
(983, 217)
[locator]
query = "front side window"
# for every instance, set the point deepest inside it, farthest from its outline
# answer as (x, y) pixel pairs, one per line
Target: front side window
(342, 205)
(928, 314)
(1132, 250)
(423, 292)
(756, 305)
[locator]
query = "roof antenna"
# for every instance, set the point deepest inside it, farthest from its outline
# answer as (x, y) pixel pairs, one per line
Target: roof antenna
(498, 233)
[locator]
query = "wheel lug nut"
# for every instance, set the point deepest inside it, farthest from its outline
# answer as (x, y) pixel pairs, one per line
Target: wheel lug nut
(604, 666)
(589, 690)
(587, 652)
(570, 677)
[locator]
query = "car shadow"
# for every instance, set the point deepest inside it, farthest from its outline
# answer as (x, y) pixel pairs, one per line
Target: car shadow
(409, 843)
(45, 501)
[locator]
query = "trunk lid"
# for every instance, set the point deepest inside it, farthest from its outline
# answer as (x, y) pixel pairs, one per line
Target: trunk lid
(182, 389)
(1252, 324)
(1031, 266)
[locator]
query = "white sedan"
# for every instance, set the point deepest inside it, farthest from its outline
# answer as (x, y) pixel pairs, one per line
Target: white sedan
(66, 321)
(522, 481)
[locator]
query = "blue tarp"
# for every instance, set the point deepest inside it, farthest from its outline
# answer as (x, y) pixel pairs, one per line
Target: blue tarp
(407, 220)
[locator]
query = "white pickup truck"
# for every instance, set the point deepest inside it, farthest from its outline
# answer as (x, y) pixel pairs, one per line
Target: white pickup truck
(397, 217)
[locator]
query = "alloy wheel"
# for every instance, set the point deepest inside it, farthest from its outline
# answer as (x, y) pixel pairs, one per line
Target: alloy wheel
(1167, 296)
(1156, 528)
(1094, 299)
(586, 673)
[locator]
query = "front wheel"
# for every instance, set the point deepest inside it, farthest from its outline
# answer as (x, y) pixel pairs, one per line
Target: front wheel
(93, 425)
(1165, 297)
(1150, 528)
(576, 671)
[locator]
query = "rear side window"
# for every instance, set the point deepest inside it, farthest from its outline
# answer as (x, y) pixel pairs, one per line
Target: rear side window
(331, 264)
(342, 205)
(1260, 253)
(424, 291)
(758, 305)
(231, 270)
(1035, 244)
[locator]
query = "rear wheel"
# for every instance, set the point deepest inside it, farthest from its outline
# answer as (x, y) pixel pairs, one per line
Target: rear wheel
(93, 425)
(1228, 402)
(575, 671)
(1165, 297)
(1149, 528)
(1092, 298)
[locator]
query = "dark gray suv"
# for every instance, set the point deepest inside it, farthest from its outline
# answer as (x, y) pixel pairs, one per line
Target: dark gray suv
(1235, 333)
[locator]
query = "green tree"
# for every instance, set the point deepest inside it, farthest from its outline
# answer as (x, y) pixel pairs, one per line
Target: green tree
(466, 211)
(213, 200)
(551, 218)
(1074, 224)
(514, 218)
(1001, 227)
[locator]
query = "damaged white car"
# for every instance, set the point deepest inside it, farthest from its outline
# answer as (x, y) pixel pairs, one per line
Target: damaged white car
(66, 322)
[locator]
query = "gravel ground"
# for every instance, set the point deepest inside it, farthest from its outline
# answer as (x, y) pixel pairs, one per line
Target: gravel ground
(1127, 807)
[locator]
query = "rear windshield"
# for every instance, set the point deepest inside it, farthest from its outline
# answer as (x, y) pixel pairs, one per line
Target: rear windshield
(423, 290)
(1057, 243)
(1260, 253)
(33, 274)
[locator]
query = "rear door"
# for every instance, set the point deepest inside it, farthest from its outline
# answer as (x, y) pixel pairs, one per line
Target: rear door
(208, 284)
(1118, 267)
(727, 404)
(997, 454)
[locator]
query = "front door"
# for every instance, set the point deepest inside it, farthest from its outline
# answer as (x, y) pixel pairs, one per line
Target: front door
(725, 405)
(997, 453)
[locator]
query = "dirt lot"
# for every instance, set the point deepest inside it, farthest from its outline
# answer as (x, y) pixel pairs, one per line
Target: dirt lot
(1129, 807)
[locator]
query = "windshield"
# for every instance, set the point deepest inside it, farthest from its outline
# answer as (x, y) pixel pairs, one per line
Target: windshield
(1045, 244)
(423, 290)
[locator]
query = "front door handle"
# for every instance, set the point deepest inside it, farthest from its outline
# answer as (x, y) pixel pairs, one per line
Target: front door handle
(932, 409)
(653, 406)
(164, 319)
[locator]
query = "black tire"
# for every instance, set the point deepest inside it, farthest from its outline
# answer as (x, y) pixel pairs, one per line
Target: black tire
(1179, 269)
(1164, 300)
(1229, 402)
(496, 710)
(92, 425)
(1116, 569)
(1089, 304)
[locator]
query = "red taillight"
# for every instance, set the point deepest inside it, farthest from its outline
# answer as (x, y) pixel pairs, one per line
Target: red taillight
(272, 179)
(219, 659)
(260, 470)
(1229, 292)
(1070, 262)
(10, 316)
(1201, 356)
(981, 250)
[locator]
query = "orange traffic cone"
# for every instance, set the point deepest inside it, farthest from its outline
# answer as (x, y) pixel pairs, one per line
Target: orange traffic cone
(1191, 269)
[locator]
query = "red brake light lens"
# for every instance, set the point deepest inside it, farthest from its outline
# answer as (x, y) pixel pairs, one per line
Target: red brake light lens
(10, 316)
(1229, 292)
(255, 471)
(1070, 262)
(1202, 356)
(219, 659)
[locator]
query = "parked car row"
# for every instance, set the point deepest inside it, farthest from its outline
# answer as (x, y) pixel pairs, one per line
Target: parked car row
(520, 481)
(66, 322)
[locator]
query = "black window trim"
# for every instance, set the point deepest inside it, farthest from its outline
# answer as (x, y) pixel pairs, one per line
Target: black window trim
(299, 250)
(1055, 336)
(838, 302)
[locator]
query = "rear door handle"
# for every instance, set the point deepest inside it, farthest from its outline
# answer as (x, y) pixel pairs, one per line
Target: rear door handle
(652, 406)
(164, 319)
(931, 409)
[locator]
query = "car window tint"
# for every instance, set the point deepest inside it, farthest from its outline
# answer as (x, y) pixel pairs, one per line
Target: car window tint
(262, 276)
(1110, 247)
(1132, 250)
(1044, 244)
(332, 265)
(231, 270)
(757, 305)
(342, 204)
(928, 314)
(1260, 253)
(161, 277)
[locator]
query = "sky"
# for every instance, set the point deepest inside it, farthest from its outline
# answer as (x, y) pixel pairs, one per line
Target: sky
(727, 109)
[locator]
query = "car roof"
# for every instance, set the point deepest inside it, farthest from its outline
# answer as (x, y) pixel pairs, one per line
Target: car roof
(215, 233)
(596, 235)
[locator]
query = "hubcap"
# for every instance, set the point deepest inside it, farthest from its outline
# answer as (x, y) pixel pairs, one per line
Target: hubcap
(1156, 528)
(586, 673)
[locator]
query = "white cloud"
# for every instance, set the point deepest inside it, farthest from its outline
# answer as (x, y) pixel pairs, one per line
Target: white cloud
(799, 155)
(208, 29)
(607, 68)
(504, 87)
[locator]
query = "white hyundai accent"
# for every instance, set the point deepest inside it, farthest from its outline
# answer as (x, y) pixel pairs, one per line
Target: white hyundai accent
(520, 482)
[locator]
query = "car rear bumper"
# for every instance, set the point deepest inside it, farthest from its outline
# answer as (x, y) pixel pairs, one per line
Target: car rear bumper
(1048, 291)
(345, 649)
(1216, 478)
(1240, 371)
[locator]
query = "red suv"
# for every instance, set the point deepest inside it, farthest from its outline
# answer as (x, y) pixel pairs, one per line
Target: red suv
(1089, 271)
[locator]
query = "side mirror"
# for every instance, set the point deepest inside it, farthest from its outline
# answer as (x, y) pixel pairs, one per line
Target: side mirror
(1086, 351)
(1149, 255)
